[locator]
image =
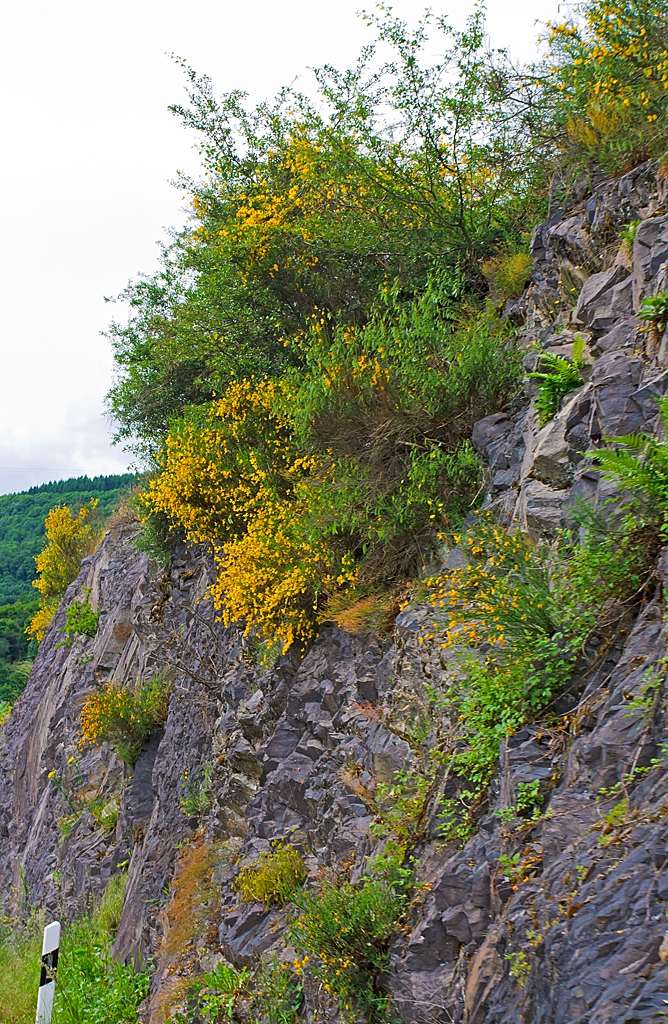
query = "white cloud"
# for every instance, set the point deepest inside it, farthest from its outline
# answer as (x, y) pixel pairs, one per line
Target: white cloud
(81, 446)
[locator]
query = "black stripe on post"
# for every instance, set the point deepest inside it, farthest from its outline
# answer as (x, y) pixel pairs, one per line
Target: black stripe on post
(49, 965)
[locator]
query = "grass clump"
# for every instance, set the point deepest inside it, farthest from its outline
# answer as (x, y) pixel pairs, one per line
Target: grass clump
(274, 878)
(508, 276)
(125, 715)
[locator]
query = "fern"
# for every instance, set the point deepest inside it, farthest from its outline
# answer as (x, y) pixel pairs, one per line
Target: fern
(558, 378)
(640, 463)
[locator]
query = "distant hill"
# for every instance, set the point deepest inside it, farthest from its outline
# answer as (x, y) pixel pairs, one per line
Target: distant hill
(22, 523)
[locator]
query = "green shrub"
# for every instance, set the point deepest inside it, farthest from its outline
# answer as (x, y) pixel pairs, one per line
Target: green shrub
(276, 995)
(218, 992)
(531, 608)
(196, 794)
(81, 620)
(125, 715)
(343, 932)
(274, 878)
(604, 102)
(508, 275)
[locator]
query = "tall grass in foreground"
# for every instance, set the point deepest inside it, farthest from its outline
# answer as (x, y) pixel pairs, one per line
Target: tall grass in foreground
(92, 987)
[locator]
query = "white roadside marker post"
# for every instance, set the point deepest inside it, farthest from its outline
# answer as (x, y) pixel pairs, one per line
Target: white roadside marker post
(47, 979)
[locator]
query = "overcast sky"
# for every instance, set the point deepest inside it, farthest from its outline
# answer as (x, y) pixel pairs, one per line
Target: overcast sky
(89, 152)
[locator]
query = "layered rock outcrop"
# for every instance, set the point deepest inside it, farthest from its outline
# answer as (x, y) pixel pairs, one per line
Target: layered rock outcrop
(579, 933)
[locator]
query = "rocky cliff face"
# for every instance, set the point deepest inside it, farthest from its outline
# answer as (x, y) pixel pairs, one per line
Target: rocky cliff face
(580, 933)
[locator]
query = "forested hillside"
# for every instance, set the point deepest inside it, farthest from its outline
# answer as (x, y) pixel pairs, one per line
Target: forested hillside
(22, 537)
(22, 518)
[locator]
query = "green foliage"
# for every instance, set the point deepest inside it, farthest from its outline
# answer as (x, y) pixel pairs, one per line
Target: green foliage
(196, 794)
(640, 464)
(529, 798)
(556, 379)
(104, 810)
(654, 310)
(273, 995)
(219, 991)
(628, 236)
(274, 878)
(508, 275)
(16, 650)
(22, 524)
(125, 715)
(520, 966)
(343, 932)
(81, 620)
(531, 607)
(309, 208)
(603, 97)
(91, 988)
(276, 996)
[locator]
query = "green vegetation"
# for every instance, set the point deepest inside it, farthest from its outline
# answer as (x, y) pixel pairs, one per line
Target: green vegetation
(640, 463)
(557, 378)
(125, 715)
(274, 878)
(654, 310)
(343, 932)
(273, 996)
(22, 524)
(303, 374)
(196, 794)
(81, 620)
(92, 987)
(531, 609)
(305, 368)
(16, 649)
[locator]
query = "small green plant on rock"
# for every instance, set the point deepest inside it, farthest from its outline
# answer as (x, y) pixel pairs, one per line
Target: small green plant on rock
(81, 621)
(654, 310)
(196, 794)
(520, 966)
(274, 878)
(529, 799)
(557, 378)
(221, 990)
(640, 463)
(104, 810)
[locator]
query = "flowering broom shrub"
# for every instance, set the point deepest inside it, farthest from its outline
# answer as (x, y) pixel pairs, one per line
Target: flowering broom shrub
(70, 537)
(125, 715)
(607, 75)
(343, 933)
